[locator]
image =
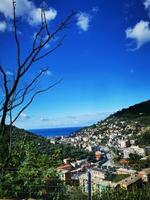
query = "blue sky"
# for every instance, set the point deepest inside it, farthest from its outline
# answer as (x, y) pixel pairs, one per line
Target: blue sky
(104, 59)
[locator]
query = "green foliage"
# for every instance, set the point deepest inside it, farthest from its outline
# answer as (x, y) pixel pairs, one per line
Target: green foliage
(74, 193)
(141, 109)
(121, 194)
(134, 158)
(144, 138)
(31, 171)
(119, 177)
(137, 163)
(4, 146)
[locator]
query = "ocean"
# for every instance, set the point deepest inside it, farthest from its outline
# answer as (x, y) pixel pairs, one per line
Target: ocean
(55, 132)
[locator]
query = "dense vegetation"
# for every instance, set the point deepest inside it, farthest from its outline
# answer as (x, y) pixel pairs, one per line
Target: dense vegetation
(31, 170)
(136, 110)
(119, 177)
(143, 139)
(122, 194)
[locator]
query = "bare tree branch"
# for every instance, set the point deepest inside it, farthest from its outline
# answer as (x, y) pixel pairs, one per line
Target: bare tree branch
(33, 97)
(5, 80)
(25, 90)
(47, 53)
(38, 49)
(36, 37)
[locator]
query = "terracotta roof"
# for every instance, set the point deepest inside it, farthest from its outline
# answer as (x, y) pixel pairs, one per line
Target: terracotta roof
(64, 167)
(123, 161)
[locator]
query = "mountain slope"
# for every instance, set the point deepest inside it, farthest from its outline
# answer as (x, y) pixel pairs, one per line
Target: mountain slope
(138, 109)
(129, 123)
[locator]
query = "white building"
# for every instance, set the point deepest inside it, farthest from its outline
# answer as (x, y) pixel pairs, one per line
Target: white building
(133, 150)
(124, 143)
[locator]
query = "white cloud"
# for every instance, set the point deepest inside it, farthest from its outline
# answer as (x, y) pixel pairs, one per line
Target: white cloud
(140, 33)
(95, 9)
(83, 21)
(24, 117)
(44, 119)
(78, 120)
(147, 6)
(35, 15)
(22, 8)
(3, 26)
(27, 10)
(9, 73)
(47, 73)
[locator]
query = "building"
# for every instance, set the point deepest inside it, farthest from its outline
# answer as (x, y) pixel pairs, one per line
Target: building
(65, 175)
(130, 181)
(98, 183)
(124, 143)
(98, 173)
(98, 155)
(124, 161)
(125, 171)
(133, 150)
(83, 181)
(64, 172)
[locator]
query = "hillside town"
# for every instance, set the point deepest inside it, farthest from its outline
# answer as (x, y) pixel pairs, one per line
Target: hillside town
(113, 142)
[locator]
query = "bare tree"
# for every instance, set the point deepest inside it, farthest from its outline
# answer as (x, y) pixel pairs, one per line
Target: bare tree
(18, 97)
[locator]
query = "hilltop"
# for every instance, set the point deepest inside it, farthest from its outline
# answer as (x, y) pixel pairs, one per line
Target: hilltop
(135, 110)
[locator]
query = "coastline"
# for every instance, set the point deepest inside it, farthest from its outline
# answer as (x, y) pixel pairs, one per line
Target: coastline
(55, 132)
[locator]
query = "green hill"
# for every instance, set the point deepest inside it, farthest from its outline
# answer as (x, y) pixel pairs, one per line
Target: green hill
(31, 169)
(135, 110)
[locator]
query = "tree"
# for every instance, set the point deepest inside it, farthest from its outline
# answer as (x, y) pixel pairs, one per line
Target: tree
(17, 98)
(134, 158)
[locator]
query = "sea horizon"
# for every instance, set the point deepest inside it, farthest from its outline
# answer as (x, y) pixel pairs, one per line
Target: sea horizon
(55, 132)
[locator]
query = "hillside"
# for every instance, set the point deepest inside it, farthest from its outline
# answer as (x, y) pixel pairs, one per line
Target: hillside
(136, 110)
(132, 123)
(31, 170)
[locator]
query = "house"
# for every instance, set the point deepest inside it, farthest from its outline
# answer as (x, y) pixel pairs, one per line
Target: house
(124, 143)
(97, 182)
(98, 173)
(125, 171)
(102, 185)
(65, 175)
(64, 172)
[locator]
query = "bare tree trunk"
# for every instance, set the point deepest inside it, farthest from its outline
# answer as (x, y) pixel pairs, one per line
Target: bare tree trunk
(4, 146)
